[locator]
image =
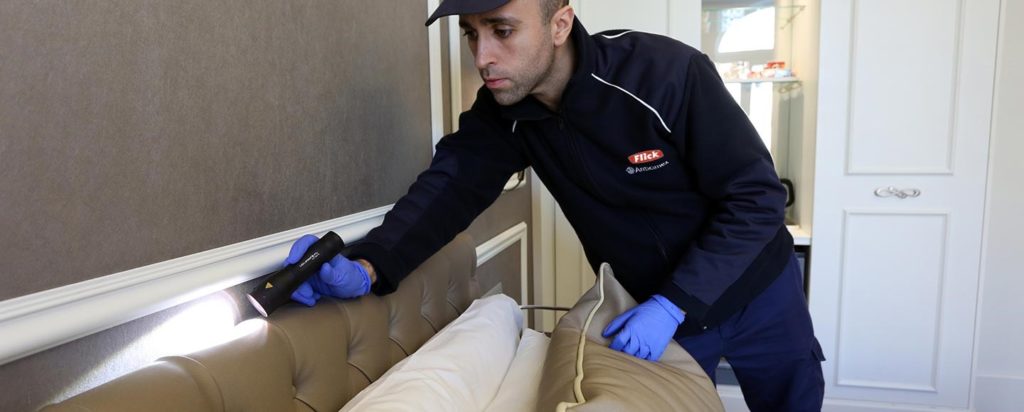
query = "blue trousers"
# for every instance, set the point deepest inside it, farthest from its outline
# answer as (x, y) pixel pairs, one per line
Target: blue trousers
(771, 346)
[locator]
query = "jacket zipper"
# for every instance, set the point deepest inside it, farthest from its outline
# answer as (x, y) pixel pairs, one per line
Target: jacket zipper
(657, 238)
(574, 146)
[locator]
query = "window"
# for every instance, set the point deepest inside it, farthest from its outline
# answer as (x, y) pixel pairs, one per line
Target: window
(746, 29)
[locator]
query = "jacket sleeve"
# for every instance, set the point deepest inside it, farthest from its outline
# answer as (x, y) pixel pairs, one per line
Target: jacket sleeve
(733, 170)
(466, 175)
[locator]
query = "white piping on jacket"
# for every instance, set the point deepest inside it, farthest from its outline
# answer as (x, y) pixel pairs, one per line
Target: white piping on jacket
(617, 35)
(637, 99)
(514, 126)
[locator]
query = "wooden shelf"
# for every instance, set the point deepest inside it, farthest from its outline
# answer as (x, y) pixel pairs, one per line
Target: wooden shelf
(801, 236)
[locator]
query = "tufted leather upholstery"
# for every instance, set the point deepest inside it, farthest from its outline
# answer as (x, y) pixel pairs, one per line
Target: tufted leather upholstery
(301, 359)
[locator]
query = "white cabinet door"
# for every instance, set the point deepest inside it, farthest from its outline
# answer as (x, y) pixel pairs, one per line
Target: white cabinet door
(679, 19)
(902, 151)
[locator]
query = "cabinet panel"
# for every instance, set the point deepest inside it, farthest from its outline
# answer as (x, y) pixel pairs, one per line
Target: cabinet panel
(892, 270)
(903, 85)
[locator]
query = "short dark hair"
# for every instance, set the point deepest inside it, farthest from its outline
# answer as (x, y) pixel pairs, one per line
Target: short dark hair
(549, 7)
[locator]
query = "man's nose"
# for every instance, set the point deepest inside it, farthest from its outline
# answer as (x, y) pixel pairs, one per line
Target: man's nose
(485, 55)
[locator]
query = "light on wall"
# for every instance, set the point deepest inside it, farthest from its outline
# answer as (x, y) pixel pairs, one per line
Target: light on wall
(198, 325)
(201, 325)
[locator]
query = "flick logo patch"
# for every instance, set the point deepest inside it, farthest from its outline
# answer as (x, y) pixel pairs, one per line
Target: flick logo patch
(646, 156)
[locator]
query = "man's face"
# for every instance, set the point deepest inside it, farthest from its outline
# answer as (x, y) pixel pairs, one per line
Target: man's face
(512, 47)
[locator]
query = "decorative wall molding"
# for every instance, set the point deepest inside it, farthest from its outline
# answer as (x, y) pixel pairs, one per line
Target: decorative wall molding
(436, 85)
(499, 243)
(454, 69)
(543, 220)
(36, 322)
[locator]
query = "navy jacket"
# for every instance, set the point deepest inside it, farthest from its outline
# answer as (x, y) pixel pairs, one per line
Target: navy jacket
(656, 167)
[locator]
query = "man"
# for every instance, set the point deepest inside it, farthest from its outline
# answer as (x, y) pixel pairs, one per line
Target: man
(653, 163)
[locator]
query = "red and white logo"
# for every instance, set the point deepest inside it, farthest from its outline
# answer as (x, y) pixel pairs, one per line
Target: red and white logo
(646, 156)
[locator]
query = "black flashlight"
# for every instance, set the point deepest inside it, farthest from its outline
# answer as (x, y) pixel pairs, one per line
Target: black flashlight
(277, 289)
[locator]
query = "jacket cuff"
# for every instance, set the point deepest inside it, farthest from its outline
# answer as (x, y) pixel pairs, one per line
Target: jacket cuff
(386, 265)
(670, 307)
(694, 308)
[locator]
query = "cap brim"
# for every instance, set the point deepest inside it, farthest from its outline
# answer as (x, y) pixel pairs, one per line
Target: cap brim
(455, 7)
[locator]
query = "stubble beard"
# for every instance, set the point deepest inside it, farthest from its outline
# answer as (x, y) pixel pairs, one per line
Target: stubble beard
(537, 70)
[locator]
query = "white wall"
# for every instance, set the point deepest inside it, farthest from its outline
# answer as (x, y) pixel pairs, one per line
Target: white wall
(804, 109)
(1000, 348)
(679, 19)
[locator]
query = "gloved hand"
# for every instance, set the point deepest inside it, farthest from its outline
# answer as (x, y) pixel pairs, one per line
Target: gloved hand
(645, 330)
(340, 278)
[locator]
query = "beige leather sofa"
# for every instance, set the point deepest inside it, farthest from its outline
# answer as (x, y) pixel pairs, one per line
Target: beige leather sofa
(301, 359)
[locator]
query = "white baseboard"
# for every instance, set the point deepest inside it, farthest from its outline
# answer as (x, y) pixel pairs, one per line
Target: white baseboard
(36, 322)
(732, 398)
(998, 393)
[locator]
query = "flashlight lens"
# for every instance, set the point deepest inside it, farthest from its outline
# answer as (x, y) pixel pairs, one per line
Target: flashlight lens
(256, 304)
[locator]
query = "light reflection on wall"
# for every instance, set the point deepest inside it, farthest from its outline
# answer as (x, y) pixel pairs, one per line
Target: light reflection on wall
(200, 324)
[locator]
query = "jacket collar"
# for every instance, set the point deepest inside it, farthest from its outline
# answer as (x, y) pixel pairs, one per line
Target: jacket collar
(532, 109)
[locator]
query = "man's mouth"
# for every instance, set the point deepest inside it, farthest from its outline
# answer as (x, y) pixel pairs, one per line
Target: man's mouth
(494, 83)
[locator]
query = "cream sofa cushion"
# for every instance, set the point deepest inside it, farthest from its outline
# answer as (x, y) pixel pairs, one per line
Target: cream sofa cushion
(518, 391)
(458, 369)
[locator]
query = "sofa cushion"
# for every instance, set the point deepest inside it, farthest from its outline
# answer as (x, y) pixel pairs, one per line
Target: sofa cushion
(458, 369)
(518, 391)
(582, 374)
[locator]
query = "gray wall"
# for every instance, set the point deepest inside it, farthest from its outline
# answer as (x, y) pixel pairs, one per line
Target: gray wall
(138, 131)
(134, 131)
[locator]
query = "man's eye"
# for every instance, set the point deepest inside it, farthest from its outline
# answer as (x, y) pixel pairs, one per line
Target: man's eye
(503, 33)
(470, 35)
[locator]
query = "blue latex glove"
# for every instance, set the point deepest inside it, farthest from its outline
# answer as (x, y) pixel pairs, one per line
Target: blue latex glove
(340, 278)
(645, 330)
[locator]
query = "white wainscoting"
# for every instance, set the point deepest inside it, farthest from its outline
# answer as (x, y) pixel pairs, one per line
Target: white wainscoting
(36, 322)
(74, 311)
(498, 244)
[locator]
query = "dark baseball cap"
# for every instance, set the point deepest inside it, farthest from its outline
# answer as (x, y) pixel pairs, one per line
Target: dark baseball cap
(452, 7)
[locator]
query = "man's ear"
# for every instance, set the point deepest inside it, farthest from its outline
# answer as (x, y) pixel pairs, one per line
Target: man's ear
(561, 24)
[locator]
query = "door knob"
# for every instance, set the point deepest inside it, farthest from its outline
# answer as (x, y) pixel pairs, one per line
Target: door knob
(900, 193)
